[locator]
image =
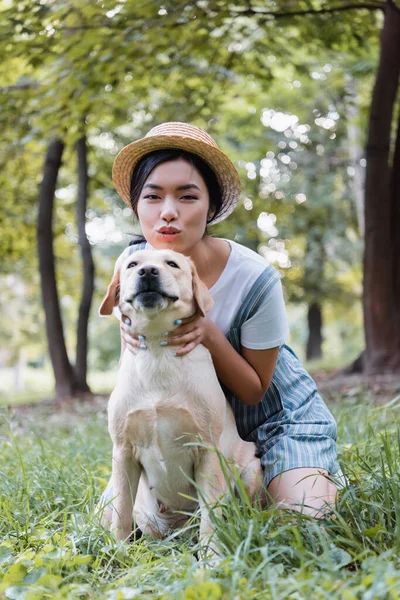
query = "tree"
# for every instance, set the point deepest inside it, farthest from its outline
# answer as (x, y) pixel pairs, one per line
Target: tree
(60, 63)
(115, 63)
(296, 180)
(382, 208)
(88, 268)
(63, 372)
(381, 292)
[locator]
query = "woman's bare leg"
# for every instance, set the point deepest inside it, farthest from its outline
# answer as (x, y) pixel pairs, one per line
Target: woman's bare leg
(307, 490)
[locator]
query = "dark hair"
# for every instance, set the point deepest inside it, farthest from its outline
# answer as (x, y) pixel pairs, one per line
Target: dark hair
(150, 161)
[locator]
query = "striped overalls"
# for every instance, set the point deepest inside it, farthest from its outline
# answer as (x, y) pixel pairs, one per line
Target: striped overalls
(292, 426)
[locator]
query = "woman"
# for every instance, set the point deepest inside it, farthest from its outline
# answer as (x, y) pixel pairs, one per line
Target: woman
(177, 182)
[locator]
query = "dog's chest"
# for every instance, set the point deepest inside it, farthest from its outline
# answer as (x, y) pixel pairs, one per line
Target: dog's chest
(169, 396)
(158, 368)
(162, 405)
(163, 430)
(160, 373)
(159, 439)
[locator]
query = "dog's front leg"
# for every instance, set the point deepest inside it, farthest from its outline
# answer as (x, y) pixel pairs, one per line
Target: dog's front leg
(212, 487)
(125, 481)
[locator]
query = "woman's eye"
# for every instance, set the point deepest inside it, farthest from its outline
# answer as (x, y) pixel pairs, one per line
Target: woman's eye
(172, 264)
(151, 197)
(132, 264)
(189, 197)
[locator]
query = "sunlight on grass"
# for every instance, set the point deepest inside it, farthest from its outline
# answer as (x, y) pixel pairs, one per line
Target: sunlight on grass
(53, 472)
(39, 385)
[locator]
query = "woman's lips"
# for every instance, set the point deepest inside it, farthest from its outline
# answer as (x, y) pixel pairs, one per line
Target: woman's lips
(168, 235)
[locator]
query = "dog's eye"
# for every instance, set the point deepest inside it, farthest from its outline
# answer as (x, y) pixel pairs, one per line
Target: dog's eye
(171, 263)
(132, 264)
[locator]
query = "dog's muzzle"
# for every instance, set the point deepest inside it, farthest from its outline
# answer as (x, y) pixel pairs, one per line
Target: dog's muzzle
(148, 291)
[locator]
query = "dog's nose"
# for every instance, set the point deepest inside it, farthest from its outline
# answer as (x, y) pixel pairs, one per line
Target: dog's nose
(149, 271)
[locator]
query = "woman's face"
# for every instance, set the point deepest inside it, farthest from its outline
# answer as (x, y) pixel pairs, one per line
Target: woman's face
(173, 207)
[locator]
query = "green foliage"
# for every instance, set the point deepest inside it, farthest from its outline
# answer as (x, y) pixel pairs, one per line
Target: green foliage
(113, 70)
(295, 166)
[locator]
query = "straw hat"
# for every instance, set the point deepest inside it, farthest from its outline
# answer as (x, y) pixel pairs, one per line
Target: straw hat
(184, 137)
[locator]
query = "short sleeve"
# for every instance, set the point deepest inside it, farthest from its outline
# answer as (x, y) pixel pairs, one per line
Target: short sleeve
(268, 327)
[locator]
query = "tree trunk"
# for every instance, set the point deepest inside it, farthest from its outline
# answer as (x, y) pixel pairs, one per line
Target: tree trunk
(63, 372)
(382, 192)
(395, 197)
(313, 285)
(314, 342)
(357, 366)
(88, 268)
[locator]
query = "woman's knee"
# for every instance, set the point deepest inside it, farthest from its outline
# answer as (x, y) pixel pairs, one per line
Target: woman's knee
(307, 490)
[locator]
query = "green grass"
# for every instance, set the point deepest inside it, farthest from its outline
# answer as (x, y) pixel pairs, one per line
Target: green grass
(53, 467)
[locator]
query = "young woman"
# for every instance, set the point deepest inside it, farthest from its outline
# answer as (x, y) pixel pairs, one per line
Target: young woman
(178, 182)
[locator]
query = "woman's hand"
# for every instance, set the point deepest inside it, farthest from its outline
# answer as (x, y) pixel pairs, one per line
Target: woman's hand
(190, 334)
(130, 339)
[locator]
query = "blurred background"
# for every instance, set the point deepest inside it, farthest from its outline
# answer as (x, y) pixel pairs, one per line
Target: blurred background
(303, 97)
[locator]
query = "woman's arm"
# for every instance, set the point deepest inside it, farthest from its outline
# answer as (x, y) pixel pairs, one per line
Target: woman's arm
(248, 375)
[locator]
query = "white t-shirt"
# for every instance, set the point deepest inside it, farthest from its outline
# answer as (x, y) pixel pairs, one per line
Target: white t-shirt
(268, 327)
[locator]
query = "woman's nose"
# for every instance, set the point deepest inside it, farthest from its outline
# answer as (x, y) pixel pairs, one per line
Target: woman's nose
(169, 210)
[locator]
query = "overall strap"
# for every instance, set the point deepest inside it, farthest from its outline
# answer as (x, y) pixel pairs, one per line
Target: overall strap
(255, 295)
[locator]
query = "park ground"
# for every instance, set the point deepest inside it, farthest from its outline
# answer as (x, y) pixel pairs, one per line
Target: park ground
(55, 461)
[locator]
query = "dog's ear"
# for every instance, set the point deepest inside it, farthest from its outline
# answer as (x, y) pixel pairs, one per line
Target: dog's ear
(112, 296)
(201, 294)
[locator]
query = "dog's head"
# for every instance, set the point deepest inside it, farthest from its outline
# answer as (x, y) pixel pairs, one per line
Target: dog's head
(150, 282)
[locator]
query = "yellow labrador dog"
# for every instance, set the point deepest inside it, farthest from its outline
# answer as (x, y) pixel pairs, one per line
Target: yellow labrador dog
(163, 404)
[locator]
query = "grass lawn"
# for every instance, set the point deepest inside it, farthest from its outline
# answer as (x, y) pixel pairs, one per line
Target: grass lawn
(55, 461)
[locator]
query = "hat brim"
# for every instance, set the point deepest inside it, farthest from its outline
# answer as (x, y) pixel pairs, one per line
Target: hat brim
(222, 166)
